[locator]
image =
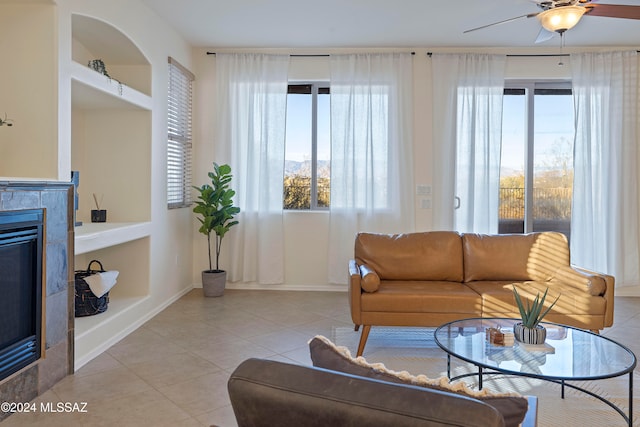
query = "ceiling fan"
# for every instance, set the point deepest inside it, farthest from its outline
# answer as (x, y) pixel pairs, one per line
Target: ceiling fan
(558, 16)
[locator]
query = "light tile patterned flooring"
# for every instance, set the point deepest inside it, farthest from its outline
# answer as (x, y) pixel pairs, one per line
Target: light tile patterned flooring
(173, 370)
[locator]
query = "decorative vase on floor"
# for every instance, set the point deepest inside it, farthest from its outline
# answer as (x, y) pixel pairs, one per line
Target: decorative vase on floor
(526, 335)
(213, 282)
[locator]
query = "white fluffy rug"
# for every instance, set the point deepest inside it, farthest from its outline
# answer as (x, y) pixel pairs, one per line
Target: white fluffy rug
(414, 350)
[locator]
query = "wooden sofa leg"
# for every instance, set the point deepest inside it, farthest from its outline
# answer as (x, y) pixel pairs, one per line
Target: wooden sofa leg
(363, 339)
(356, 327)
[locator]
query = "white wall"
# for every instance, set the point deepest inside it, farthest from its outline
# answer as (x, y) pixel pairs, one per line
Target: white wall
(28, 89)
(306, 232)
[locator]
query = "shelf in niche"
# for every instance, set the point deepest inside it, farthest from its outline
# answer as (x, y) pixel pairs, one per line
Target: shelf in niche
(88, 83)
(99, 235)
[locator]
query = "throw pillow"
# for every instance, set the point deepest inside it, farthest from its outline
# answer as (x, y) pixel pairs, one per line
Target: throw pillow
(325, 354)
(370, 280)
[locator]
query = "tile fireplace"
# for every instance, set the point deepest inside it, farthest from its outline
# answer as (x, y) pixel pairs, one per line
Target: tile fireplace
(43, 347)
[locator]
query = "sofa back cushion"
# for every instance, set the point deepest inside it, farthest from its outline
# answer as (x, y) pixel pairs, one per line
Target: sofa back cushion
(533, 256)
(434, 255)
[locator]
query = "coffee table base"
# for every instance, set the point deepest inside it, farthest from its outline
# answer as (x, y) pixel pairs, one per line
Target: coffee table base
(563, 383)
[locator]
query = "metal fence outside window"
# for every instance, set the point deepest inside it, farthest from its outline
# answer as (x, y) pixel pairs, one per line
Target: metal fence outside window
(548, 203)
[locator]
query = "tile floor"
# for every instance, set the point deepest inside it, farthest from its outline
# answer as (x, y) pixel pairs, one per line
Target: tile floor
(173, 370)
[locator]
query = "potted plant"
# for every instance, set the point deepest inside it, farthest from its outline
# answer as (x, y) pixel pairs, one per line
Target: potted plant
(216, 215)
(529, 330)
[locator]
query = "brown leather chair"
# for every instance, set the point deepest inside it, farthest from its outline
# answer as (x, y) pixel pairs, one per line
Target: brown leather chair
(267, 393)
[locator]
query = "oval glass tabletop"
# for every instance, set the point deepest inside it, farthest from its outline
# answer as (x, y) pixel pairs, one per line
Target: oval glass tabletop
(568, 353)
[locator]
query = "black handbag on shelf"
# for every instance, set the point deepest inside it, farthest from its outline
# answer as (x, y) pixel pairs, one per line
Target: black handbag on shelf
(87, 304)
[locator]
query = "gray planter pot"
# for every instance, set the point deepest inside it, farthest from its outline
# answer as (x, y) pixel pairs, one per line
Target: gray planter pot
(213, 282)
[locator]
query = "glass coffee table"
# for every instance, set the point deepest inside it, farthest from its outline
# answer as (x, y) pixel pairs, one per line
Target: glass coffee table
(569, 354)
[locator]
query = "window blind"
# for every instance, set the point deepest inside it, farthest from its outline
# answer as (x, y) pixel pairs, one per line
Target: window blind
(179, 143)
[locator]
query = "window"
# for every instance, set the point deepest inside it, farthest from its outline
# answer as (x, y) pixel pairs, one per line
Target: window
(308, 149)
(536, 171)
(179, 136)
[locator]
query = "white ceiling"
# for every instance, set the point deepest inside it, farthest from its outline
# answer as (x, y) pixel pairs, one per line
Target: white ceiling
(378, 23)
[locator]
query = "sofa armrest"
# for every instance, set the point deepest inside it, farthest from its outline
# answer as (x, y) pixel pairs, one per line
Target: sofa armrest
(608, 294)
(355, 290)
(590, 282)
(354, 269)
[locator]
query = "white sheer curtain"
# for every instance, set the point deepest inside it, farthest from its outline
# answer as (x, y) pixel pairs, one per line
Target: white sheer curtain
(251, 110)
(604, 220)
(371, 151)
(467, 123)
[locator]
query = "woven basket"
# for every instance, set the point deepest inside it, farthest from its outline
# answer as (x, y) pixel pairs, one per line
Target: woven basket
(87, 304)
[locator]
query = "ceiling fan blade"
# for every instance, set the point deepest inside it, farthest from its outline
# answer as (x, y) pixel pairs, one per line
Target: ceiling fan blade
(544, 35)
(530, 15)
(614, 11)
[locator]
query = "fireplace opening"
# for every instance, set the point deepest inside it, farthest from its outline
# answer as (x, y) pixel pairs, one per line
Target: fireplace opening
(21, 243)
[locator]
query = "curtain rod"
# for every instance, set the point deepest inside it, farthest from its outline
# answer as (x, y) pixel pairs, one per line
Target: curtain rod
(524, 55)
(305, 55)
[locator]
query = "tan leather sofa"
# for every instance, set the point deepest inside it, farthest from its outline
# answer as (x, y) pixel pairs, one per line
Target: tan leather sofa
(430, 278)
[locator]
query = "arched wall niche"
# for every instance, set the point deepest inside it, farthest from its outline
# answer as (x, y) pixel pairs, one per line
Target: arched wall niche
(95, 39)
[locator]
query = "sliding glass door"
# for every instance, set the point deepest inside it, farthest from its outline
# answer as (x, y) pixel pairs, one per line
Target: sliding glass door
(536, 174)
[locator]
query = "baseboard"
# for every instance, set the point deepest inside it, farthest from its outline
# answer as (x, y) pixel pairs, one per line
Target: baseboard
(628, 291)
(283, 287)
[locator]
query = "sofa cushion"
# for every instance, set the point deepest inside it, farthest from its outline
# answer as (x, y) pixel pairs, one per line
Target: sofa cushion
(370, 280)
(435, 255)
(411, 296)
(325, 354)
(516, 257)
(498, 299)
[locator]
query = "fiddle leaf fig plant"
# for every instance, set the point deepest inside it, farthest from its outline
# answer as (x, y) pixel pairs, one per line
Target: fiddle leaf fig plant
(215, 208)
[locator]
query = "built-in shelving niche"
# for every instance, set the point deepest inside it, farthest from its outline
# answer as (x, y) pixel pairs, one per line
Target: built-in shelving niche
(111, 149)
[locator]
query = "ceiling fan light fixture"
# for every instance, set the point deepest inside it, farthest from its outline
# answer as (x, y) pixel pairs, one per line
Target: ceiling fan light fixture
(562, 18)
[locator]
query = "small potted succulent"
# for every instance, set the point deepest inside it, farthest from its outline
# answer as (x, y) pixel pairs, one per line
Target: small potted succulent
(529, 330)
(216, 215)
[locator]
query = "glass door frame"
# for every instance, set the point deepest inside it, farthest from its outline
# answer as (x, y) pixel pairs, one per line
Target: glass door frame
(530, 87)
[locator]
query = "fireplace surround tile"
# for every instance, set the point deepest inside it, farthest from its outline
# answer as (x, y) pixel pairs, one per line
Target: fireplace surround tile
(57, 215)
(57, 199)
(54, 367)
(19, 199)
(57, 327)
(20, 387)
(57, 275)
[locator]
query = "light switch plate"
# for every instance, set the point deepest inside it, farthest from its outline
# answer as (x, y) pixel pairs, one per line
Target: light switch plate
(423, 190)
